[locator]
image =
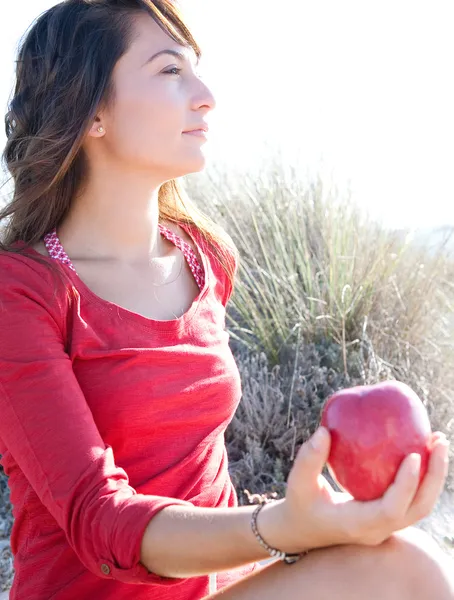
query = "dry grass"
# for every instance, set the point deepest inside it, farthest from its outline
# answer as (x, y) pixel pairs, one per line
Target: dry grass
(326, 298)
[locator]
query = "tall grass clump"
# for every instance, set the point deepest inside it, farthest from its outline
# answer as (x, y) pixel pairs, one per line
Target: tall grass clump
(325, 298)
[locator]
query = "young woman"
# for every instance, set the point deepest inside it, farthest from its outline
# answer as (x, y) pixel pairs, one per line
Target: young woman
(116, 378)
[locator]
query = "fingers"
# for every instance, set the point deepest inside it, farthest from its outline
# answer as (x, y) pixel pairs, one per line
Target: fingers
(432, 485)
(404, 503)
(374, 520)
(310, 460)
(438, 435)
(399, 496)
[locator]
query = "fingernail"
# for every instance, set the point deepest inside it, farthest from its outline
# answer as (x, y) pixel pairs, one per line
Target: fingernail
(415, 464)
(441, 439)
(317, 439)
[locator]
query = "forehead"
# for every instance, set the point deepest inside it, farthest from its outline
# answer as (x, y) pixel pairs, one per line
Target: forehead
(150, 38)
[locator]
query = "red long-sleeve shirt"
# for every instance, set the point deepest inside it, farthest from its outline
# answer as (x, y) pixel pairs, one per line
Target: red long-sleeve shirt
(107, 417)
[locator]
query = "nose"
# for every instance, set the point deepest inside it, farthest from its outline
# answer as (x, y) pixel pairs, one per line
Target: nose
(203, 96)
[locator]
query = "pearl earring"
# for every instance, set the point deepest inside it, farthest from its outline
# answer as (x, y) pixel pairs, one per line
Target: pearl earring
(101, 129)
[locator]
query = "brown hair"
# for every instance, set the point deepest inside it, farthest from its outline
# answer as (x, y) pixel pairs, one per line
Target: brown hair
(63, 74)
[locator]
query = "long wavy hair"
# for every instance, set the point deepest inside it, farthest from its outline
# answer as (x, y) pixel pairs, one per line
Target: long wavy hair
(63, 75)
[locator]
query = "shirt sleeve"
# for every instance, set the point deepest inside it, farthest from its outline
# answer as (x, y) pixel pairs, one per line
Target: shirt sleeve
(48, 427)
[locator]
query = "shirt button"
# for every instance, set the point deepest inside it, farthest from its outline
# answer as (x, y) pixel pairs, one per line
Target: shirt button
(105, 569)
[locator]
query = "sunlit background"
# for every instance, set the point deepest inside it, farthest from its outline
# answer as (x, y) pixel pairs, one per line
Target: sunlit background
(361, 92)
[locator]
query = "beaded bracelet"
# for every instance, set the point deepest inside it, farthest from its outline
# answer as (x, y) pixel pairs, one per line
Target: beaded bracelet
(287, 558)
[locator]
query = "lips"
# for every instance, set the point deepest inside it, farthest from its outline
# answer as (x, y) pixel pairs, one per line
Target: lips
(199, 133)
(202, 127)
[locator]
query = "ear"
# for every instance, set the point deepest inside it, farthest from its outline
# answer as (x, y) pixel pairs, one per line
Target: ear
(97, 123)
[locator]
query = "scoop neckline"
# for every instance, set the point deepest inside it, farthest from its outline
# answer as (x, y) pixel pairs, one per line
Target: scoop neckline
(171, 326)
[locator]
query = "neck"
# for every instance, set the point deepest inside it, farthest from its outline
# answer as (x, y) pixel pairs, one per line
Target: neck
(114, 219)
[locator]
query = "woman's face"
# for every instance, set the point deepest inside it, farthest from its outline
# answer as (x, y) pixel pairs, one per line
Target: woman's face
(155, 102)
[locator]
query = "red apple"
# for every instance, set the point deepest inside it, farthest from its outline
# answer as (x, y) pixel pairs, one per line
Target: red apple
(373, 428)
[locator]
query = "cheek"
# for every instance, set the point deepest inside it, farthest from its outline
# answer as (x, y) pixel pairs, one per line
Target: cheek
(147, 121)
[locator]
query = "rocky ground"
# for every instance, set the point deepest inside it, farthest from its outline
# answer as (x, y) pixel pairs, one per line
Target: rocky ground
(440, 524)
(6, 521)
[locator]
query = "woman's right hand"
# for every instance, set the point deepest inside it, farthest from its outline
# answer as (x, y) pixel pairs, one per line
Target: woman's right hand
(314, 515)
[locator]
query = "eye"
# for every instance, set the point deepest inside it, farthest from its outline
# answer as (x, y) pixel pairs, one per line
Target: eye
(176, 71)
(171, 71)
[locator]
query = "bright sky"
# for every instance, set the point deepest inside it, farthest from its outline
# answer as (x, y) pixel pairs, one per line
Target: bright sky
(362, 91)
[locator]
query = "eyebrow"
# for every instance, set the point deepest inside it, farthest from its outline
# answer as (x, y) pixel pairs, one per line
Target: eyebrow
(175, 53)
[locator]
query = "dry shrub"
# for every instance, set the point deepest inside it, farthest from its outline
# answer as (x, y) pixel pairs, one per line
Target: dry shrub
(281, 408)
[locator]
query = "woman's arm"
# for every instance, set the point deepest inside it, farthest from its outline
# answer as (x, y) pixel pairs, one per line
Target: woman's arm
(186, 542)
(49, 430)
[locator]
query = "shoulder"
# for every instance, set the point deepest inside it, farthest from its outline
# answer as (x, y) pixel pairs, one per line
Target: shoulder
(182, 233)
(178, 230)
(30, 277)
(229, 257)
(192, 240)
(21, 266)
(224, 261)
(40, 247)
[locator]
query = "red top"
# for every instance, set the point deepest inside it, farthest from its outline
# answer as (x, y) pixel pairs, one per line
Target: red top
(107, 417)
